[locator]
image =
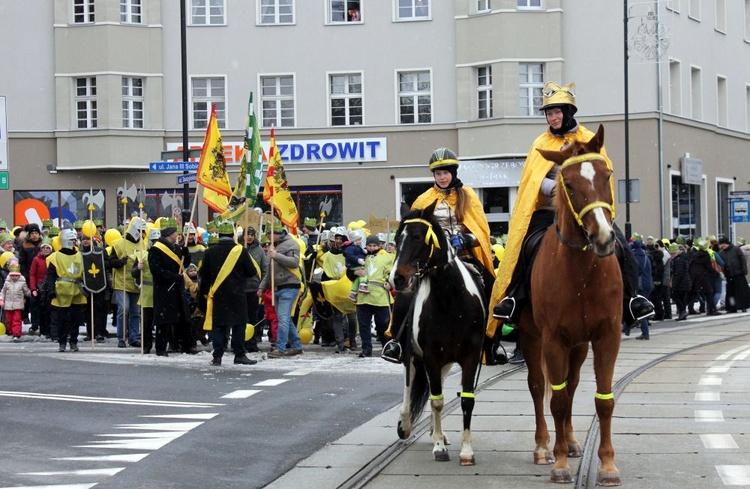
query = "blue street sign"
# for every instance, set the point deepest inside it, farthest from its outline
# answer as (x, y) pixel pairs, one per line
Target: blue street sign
(183, 179)
(741, 211)
(172, 166)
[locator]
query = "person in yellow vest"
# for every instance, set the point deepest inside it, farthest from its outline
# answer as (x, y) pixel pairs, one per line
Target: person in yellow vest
(64, 281)
(533, 213)
(375, 304)
(121, 261)
(145, 280)
(196, 249)
(167, 261)
(343, 317)
(223, 276)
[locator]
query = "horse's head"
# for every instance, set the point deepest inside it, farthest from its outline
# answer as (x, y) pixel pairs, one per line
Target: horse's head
(420, 244)
(585, 194)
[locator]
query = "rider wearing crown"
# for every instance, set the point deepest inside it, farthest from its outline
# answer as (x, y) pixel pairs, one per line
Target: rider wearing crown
(533, 213)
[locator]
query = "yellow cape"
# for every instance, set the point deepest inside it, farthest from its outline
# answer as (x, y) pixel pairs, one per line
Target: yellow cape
(528, 201)
(474, 220)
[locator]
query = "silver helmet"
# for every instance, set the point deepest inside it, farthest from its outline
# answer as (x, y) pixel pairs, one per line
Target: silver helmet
(68, 238)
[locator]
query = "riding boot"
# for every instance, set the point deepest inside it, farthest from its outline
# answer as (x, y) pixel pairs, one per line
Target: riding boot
(391, 352)
(505, 309)
(489, 351)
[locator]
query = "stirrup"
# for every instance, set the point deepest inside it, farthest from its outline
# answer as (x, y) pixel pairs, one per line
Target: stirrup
(391, 352)
(499, 313)
(647, 311)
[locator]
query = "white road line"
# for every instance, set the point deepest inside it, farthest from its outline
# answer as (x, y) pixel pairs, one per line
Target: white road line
(734, 475)
(241, 394)
(55, 486)
(270, 382)
(717, 370)
(719, 442)
(710, 380)
(125, 457)
(134, 444)
(300, 372)
(205, 416)
(160, 426)
(108, 472)
(707, 396)
(107, 400)
(709, 416)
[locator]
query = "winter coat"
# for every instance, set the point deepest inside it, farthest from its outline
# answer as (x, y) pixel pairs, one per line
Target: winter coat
(38, 271)
(230, 299)
(352, 254)
(259, 255)
(657, 271)
(702, 273)
(286, 269)
(735, 264)
(645, 282)
(170, 306)
(14, 292)
(680, 280)
(26, 253)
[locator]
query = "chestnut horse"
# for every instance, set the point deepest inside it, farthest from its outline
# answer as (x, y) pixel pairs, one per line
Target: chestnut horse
(441, 314)
(576, 299)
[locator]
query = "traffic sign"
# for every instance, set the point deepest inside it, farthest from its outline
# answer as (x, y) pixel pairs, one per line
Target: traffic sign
(183, 179)
(740, 211)
(172, 166)
(739, 193)
(3, 180)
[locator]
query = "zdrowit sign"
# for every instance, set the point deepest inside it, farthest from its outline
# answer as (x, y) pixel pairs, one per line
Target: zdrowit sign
(311, 151)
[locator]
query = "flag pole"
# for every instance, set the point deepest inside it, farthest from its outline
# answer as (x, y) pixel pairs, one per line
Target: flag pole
(141, 196)
(91, 302)
(271, 265)
(124, 282)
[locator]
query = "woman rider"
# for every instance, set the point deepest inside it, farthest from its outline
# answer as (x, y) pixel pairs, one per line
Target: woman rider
(461, 216)
(533, 213)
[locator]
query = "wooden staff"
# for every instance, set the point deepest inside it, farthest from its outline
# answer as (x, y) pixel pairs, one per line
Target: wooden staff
(143, 253)
(124, 282)
(91, 302)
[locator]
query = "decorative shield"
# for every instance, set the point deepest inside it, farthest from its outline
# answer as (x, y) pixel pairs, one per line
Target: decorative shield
(94, 276)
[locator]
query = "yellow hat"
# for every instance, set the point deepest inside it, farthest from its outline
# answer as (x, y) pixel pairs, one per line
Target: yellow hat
(555, 96)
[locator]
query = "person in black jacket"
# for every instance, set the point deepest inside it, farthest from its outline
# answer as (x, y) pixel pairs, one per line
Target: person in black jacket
(680, 282)
(223, 278)
(735, 269)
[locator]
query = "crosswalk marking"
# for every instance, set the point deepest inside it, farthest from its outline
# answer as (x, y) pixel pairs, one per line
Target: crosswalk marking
(125, 457)
(719, 442)
(707, 396)
(734, 475)
(709, 416)
(107, 400)
(55, 486)
(710, 380)
(107, 472)
(241, 394)
(270, 382)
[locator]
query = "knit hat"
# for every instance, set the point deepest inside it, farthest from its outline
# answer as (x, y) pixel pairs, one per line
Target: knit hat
(373, 239)
(31, 227)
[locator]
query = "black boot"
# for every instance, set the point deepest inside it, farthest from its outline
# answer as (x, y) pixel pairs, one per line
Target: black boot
(517, 358)
(489, 351)
(638, 308)
(391, 352)
(505, 309)
(243, 360)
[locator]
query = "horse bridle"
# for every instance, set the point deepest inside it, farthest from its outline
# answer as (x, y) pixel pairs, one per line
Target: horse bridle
(430, 239)
(578, 214)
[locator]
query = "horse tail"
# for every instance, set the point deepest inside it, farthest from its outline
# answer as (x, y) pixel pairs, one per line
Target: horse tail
(420, 391)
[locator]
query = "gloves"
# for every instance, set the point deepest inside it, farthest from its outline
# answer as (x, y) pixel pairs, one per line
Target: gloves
(457, 241)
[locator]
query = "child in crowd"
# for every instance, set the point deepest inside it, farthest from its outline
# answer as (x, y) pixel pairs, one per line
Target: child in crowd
(354, 259)
(12, 298)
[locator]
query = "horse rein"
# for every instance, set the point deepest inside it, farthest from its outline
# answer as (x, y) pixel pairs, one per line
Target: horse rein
(578, 215)
(430, 239)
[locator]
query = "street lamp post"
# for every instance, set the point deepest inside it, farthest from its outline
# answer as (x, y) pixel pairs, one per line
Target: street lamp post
(628, 225)
(185, 142)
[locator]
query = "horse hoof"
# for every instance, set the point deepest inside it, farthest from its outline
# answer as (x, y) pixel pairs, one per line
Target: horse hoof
(561, 476)
(575, 450)
(467, 460)
(441, 456)
(402, 434)
(608, 479)
(544, 458)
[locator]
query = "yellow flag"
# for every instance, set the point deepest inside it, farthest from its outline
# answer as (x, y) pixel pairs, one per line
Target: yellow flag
(212, 169)
(215, 201)
(276, 193)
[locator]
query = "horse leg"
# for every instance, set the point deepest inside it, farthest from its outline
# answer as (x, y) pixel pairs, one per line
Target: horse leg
(605, 354)
(404, 421)
(437, 401)
(532, 352)
(556, 358)
(577, 357)
(468, 374)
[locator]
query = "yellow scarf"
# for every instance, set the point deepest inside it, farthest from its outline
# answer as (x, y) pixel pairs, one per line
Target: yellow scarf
(164, 248)
(224, 272)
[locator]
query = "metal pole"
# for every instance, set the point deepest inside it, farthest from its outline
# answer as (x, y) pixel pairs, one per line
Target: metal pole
(183, 58)
(628, 226)
(660, 133)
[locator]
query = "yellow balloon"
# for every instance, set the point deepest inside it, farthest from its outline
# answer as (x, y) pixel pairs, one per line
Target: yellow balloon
(89, 228)
(2, 328)
(111, 236)
(305, 334)
(249, 331)
(56, 244)
(5, 256)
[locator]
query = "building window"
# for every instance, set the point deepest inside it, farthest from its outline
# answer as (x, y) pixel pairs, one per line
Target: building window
(277, 101)
(413, 9)
(346, 99)
(696, 92)
(207, 12)
(85, 100)
(530, 85)
(535, 4)
(686, 202)
(747, 108)
(276, 12)
(747, 20)
(721, 101)
(207, 92)
(130, 12)
(721, 16)
(694, 9)
(675, 89)
(483, 5)
(673, 5)
(344, 11)
(58, 205)
(484, 92)
(132, 102)
(415, 97)
(83, 11)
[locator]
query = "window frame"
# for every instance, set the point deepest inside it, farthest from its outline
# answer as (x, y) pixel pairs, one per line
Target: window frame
(348, 6)
(694, 10)
(278, 99)
(220, 101)
(207, 15)
(89, 99)
(276, 13)
(88, 15)
(413, 7)
(527, 5)
(129, 16)
(484, 89)
(346, 96)
(129, 101)
(533, 90)
(415, 94)
(483, 9)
